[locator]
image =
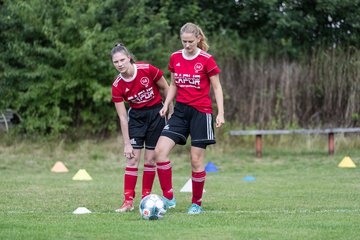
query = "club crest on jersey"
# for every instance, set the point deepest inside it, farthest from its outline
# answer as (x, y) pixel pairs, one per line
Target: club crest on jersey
(144, 81)
(198, 67)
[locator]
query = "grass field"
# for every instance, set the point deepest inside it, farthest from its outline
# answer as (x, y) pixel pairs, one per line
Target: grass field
(298, 192)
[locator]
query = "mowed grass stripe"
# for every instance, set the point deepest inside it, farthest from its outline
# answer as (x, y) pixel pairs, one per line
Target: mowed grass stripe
(284, 211)
(299, 194)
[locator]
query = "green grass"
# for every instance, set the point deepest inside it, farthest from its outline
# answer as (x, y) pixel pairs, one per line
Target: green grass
(299, 192)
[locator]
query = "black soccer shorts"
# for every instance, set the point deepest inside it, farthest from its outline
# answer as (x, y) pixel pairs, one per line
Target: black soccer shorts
(186, 121)
(145, 126)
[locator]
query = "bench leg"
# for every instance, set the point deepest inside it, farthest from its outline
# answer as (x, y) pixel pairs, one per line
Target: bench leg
(258, 146)
(331, 143)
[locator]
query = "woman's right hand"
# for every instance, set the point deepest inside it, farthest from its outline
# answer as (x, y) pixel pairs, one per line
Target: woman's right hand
(128, 151)
(163, 111)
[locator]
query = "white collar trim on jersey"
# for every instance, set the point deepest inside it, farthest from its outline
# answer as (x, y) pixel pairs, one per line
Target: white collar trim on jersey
(198, 50)
(133, 76)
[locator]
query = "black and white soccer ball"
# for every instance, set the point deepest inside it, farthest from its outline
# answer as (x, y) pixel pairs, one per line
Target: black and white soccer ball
(152, 207)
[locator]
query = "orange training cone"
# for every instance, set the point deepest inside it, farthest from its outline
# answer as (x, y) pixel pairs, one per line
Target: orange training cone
(59, 167)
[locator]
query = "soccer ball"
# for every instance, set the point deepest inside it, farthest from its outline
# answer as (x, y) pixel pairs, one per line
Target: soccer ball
(152, 207)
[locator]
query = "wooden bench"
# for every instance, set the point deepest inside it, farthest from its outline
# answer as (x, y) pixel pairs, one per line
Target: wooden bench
(5, 118)
(259, 133)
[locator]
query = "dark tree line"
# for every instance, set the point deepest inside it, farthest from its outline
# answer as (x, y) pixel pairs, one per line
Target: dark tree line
(56, 73)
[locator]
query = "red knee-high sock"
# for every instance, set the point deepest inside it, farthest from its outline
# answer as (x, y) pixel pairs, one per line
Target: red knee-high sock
(130, 178)
(198, 182)
(164, 171)
(148, 179)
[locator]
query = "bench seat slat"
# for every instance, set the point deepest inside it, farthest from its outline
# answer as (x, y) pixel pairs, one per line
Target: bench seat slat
(258, 133)
(295, 131)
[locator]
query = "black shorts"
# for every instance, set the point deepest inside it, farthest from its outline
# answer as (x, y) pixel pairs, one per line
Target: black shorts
(145, 126)
(187, 120)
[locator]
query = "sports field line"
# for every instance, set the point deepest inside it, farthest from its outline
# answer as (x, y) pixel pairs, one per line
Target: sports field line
(283, 211)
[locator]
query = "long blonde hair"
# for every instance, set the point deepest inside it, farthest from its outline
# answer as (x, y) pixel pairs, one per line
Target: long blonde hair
(197, 31)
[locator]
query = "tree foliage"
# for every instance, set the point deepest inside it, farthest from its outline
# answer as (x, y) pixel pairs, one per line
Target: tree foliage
(293, 26)
(55, 69)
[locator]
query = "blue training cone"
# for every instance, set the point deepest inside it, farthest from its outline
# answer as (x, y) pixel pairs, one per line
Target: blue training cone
(249, 178)
(210, 167)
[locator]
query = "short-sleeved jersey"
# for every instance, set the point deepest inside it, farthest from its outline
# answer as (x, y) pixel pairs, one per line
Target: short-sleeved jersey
(141, 90)
(192, 78)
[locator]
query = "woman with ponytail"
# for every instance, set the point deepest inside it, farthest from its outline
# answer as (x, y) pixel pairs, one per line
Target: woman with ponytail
(140, 85)
(193, 71)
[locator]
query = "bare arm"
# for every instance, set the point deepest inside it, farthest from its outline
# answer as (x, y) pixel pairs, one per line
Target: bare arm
(171, 93)
(219, 97)
(162, 83)
(122, 113)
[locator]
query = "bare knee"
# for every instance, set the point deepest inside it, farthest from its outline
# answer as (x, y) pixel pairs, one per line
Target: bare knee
(150, 161)
(133, 162)
(149, 157)
(197, 159)
(160, 155)
(163, 148)
(197, 164)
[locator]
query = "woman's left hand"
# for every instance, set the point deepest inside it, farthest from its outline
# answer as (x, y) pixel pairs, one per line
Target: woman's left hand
(220, 120)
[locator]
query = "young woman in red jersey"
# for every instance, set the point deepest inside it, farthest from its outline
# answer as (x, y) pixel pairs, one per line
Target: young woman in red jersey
(139, 84)
(193, 71)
